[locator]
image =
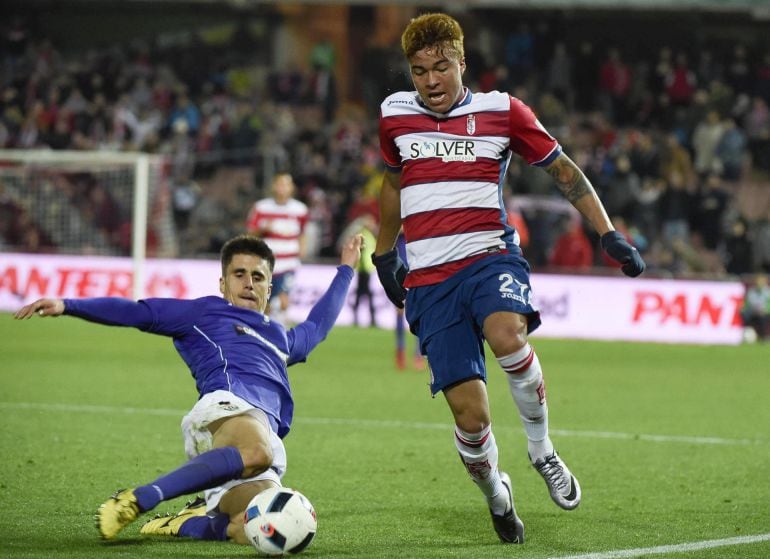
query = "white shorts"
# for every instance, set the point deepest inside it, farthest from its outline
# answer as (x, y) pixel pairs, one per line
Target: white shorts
(198, 439)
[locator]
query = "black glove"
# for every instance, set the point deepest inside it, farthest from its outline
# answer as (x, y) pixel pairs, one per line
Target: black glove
(618, 248)
(392, 272)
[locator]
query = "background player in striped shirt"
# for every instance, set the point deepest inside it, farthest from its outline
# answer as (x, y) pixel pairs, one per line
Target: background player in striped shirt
(446, 150)
(238, 357)
(280, 220)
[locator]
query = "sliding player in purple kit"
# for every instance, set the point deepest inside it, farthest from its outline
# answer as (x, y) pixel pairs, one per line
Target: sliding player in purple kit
(238, 357)
(447, 150)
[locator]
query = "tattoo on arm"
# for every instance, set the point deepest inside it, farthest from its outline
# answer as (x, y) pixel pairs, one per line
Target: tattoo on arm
(572, 183)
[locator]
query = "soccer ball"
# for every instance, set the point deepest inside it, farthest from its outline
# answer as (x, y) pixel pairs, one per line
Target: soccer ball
(280, 520)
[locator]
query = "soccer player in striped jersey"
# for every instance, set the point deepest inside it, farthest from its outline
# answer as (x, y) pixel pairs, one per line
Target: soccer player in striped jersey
(238, 358)
(446, 150)
(280, 220)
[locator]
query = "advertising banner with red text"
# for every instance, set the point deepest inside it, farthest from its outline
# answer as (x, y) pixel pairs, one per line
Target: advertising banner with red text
(588, 307)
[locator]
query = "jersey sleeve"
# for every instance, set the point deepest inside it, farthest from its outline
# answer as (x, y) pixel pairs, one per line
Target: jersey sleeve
(388, 149)
(304, 337)
(112, 311)
(173, 317)
(529, 138)
(167, 317)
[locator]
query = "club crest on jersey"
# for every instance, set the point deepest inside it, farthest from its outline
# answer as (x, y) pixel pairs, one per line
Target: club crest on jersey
(470, 124)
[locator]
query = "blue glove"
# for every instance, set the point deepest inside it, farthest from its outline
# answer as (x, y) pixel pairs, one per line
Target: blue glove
(618, 249)
(392, 272)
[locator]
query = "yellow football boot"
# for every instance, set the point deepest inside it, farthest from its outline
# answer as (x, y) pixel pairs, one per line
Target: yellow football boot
(116, 513)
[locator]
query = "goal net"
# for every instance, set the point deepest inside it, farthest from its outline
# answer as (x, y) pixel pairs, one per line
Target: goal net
(86, 203)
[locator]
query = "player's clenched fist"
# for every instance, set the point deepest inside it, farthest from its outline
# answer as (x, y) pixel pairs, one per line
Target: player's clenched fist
(392, 272)
(618, 248)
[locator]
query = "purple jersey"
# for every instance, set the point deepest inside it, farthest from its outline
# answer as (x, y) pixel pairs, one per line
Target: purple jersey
(228, 347)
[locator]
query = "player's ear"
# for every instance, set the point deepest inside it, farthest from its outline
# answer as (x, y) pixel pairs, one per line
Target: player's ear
(269, 289)
(222, 285)
(462, 65)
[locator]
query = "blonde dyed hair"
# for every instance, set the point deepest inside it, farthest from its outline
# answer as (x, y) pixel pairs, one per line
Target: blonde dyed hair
(439, 31)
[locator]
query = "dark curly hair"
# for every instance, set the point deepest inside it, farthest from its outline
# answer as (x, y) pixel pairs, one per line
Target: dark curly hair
(433, 30)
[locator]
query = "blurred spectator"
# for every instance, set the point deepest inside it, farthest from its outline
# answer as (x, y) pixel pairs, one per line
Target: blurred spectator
(738, 71)
(618, 192)
(572, 248)
(319, 231)
(520, 53)
(559, 76)
(676, 206)
(646, 210)
(730, 152)
(322, 86)
(756, 122)
(738, 254)
(710, 205)
(645, 156)
(675, 158)
(762, 243)
(680, 82)
(661, 72)
(586, 76)
(705, 140)
(756, 306)
(185, 114)
(615, 85)
(185, 196)
(762, 78)
(708, 68)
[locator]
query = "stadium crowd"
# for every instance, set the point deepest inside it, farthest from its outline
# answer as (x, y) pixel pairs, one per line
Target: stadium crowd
(676, 141)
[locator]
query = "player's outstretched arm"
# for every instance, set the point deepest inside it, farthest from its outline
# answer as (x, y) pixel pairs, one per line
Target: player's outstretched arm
(41, 307)
(112, 311)
(581, 194)
(306, 335)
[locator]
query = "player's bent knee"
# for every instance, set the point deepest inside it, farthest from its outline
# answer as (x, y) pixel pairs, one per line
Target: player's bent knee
(505, 333)
(256, 459)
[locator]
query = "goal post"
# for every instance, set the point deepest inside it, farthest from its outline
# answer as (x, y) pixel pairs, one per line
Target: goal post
(87, 203)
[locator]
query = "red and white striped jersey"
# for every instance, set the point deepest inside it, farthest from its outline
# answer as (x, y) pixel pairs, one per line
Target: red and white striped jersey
(281, 226)
(452, 169)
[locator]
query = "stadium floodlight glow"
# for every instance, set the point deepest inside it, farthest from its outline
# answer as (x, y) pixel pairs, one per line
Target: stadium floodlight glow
(50, 186)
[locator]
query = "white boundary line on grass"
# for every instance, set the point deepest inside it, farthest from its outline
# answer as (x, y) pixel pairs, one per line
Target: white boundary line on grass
(88, 408)
(675, 548)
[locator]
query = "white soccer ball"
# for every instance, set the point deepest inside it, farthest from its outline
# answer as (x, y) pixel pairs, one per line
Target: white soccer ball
(280, 521)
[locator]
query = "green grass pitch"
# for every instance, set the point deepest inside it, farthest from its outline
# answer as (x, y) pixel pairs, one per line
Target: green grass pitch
(671, 445)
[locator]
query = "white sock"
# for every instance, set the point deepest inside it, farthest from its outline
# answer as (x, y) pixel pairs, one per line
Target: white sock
(478, 451)
(525, 380)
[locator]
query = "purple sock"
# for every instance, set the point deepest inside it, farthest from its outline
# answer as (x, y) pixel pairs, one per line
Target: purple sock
(205, 528)
(208, 470)
(400, 331)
